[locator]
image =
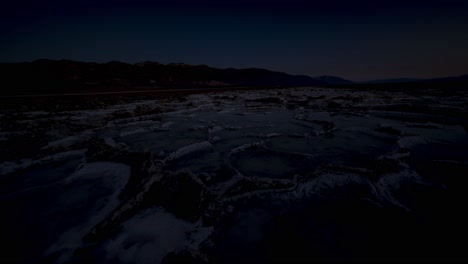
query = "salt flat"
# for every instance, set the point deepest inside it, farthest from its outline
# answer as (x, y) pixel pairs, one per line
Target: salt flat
(302, 173)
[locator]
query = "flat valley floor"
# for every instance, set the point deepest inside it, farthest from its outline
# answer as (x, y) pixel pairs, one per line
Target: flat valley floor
(243, 175)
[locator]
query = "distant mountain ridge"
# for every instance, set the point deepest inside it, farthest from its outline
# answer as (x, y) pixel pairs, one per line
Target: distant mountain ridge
(398, 80)
(415, 80)
(333, 80)
(62, 76)
(67, 76)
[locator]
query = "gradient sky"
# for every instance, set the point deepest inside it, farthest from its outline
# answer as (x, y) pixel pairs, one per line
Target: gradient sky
(358, 40)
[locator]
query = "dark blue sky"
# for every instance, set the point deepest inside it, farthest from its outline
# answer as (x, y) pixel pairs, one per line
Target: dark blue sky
(358, 40)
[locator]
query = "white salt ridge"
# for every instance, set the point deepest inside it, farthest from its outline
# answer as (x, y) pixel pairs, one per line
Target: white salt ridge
(133, 132)
(167, 125)
(306, 155)
(204, 107)
(151, 235)
(214, 129)
(272, 135)
(411, 141)
(393, 181)
(247, 146)
(35, 113)
(78, 153)
(90, 113)
(232, 127)
(110, 175)
(9, 167)
(425, 125)
(111, 142)
(261, 135)
(156, 175)
(330, 183)
(141, 123)
(259, 193)
(133, 120)
(68, 141)
(190, 149)
(297, 135)
(199, 235)
(222, 187)
(198, 127)
(114, 174)
(397, 155)
(158, 128)
(215, 139)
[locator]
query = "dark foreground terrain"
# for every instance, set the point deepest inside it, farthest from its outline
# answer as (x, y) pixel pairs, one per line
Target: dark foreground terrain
(257, 175)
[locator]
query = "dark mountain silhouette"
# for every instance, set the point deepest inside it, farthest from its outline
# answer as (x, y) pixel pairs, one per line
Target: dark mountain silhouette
(62, 76)
(414, 80)
(398, 80)
(66, 76)
(461, 78)
(333, 80)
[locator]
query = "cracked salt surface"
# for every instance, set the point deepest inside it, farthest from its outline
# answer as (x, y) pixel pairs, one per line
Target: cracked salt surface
(150, 236)
(232, 176)
(94, 187)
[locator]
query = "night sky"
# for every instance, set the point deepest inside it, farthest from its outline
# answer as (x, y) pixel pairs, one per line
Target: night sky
(358, 40)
